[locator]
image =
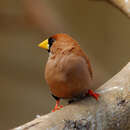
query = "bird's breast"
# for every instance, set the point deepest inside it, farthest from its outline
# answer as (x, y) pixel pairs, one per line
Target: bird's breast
(67, 76)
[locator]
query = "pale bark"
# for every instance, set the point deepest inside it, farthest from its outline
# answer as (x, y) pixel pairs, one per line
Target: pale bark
(111, 112)
(123, 5)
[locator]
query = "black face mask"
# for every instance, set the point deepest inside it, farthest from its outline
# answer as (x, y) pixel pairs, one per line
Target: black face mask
(50, 42)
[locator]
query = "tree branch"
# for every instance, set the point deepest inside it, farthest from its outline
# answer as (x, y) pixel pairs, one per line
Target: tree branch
(123, 5)
(111, 112)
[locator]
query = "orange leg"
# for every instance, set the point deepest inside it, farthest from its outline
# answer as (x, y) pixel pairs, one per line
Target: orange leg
(57, 106)
(95, 95)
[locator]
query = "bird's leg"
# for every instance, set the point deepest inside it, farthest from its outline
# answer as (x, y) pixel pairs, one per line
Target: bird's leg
(91, 93)
(57, 106)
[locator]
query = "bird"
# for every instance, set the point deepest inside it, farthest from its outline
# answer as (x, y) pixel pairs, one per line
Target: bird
(68, 71)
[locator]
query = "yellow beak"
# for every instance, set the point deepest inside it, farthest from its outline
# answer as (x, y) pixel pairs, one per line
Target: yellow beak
(44, 44)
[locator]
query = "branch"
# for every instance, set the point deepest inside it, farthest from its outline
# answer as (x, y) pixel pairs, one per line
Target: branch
(111, 112)
(123, 5)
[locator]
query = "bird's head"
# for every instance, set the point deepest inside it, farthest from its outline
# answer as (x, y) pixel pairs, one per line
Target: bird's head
(61, 41)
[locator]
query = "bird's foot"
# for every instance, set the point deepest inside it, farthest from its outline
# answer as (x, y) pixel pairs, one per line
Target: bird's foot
(95, 95)
(57, 106)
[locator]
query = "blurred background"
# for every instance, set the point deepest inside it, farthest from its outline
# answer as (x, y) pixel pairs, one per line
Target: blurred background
(101, 29)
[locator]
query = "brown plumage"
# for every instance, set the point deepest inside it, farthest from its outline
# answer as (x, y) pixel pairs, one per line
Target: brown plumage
(68, 71)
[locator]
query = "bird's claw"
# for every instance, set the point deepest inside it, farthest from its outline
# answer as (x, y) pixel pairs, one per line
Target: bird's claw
(95, 95)
(57, 108)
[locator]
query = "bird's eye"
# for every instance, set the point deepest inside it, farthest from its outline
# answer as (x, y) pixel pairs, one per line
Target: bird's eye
(50, 42)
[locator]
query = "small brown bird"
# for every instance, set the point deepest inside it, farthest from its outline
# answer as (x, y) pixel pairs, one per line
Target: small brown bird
(68, 71)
